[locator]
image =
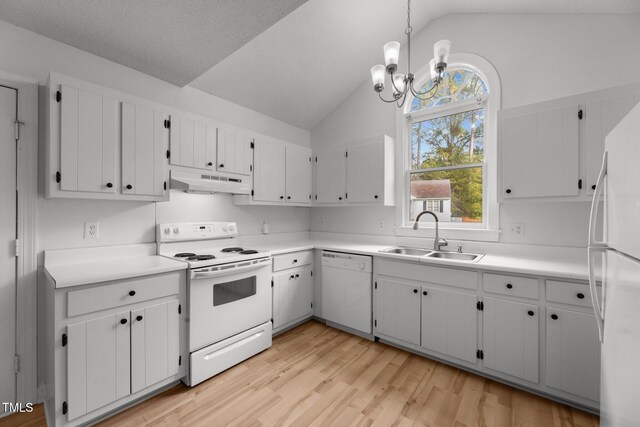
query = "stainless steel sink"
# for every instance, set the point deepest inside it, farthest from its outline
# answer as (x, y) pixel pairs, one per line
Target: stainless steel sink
(457, 256)
(402, 250)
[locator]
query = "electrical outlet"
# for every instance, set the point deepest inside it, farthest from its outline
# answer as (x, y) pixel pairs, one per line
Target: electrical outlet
(91, 230)
(516, 229)
(381, 224)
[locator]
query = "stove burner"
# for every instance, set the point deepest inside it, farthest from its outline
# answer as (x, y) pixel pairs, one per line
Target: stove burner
(200, 257)
(231, 250)
(184, 254)
(248, 252)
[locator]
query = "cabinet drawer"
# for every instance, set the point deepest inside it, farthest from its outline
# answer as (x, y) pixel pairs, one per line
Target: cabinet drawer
(523, 287)
(121, 293)
(292, 260)
(569, 293)
(427, 274)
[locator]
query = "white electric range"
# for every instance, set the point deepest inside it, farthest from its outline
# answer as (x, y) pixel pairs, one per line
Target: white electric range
(228, 294)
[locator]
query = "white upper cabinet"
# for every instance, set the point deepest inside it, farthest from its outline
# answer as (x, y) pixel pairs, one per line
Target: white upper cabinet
(193, 142)
(269, 170)
(360, 173)
(97, 138)
(298, 174)
(234, 151)
(540, 150)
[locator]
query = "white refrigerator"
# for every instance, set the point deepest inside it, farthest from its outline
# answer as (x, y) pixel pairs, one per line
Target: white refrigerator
(617, 306)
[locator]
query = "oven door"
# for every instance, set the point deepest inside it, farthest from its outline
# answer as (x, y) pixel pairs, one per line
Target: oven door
(226, 300)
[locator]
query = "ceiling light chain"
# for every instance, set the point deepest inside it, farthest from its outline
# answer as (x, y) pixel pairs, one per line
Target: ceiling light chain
(403, 84)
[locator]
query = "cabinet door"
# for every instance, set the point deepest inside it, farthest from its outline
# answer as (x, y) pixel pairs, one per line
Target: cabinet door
(511, 338)
(282, 299)
(155, 347)
(89, 136)
(302, 293)
(234, 151)
(331, 176)
(450, 323)
(540, 153)
(192, 143)
(269, 170)
(573, 353)
(97, 363)
(298, 176)
(398, 309)
(144, 147)
(601, 117)
(365, 172)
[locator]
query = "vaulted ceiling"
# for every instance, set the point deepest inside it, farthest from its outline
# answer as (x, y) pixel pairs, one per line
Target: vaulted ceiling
(294, 60)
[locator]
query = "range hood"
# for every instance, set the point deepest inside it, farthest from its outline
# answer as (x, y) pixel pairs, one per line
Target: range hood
(209, 184)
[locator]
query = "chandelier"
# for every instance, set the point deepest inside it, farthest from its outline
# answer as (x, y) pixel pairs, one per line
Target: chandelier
(402, 84)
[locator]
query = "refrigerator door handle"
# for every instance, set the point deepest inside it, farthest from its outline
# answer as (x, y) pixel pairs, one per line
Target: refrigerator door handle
(593, 217)
(597, 307)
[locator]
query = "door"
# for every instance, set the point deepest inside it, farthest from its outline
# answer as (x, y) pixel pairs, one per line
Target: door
(282, 299)
(97, 363)
(601, 117)
(302, 293)
(269, 170)
(144, 148)
(298, 168)
(510, 333)
(8, 111)
(155, 351)
(331, 176)
(365, 172)
(398, 309)
(573, 353)
(540, 153)
(89, 136)
(234, 151)
(449, 323)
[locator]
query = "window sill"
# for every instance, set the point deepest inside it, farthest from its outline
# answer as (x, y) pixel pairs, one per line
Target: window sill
(476, 234)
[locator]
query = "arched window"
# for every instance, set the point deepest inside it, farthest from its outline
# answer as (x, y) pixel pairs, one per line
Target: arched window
(447, 164)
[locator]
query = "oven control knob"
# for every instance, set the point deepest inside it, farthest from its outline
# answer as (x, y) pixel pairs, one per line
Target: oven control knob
(225, 228)
(232, 227)
(167, 230)
(176, 230)
(361, 266)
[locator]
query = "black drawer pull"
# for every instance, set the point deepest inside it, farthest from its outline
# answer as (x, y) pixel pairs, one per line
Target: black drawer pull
(288, 197)
(415, 291)
(281, 197)
(339, 198)
(221, 165)
(210, 164)
(424, 292)
(297, 275)
(295, 261)
(375, 197)
(109, 185)
(129, 187)
(123, 321)
(593, 187)
(509, 286)
(138, 318)
(554, 316)
(530, 313)
(508, 191)
(132, 293)
(580, 295)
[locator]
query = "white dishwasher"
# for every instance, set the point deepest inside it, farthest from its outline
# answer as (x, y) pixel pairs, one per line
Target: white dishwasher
(346, 290)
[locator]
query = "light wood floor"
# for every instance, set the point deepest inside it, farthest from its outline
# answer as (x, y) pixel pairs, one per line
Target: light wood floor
(318, 376)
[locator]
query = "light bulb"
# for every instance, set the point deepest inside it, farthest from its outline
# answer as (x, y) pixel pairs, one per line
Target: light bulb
(441, 51)
(398, 81)
(432, 69)
(377, 76)
(391, 54)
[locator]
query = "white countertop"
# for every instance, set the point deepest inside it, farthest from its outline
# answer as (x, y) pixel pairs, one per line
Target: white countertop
(569, 267)
(75, 267)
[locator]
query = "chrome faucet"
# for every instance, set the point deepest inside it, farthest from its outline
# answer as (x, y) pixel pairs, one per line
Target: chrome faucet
(438, 243)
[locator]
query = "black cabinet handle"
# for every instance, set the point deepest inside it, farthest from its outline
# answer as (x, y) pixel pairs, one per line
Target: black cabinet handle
(288, 197)
(221, 165)
(340, 198)
(129, 187)
(281, 197)
(424, 292)
(509, 286)
(415, 291)
(132, 293)
(297, 275)
(554, 316)
(138, 318)
(580, 295)
(530, 313)
(210, 164)
(109, 185)
(375, 197)
(123, 321)
(508, 191)
(291, 277)
(295, 261)
(593, 187)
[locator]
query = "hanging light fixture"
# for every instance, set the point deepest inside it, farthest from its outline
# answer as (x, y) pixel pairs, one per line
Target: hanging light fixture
(403, 84)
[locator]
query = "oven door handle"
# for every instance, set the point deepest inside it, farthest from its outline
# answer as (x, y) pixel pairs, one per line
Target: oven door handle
(196, 275)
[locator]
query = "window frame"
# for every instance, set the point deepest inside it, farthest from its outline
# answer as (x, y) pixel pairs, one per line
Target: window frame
(488, 230)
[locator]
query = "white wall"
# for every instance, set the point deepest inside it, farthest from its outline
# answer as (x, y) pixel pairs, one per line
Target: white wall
(61, 221)
(538, 57)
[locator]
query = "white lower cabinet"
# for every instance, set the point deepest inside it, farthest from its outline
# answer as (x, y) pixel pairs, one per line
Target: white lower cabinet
(398, 309)
(292, 296)
(450, 323)
(510, 334)
(573, 353)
